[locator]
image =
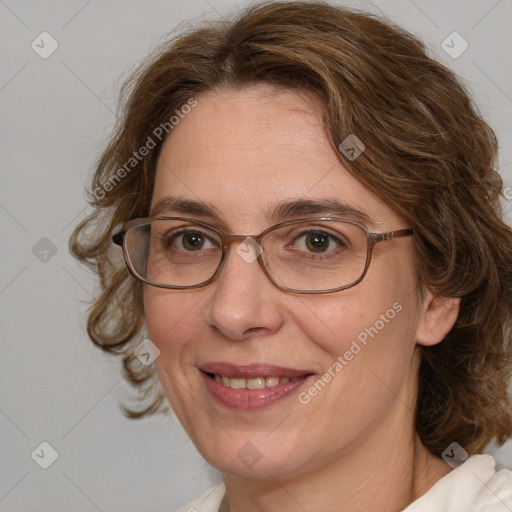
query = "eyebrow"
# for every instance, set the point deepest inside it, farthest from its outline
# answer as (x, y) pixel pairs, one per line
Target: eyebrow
(186, 206)
(326, 207)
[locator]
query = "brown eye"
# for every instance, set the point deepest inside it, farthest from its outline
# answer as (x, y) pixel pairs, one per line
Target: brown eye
(317, 242)
(193, 241)
(187, 241)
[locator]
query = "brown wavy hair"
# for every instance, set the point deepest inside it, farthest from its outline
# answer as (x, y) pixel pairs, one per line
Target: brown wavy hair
(429, 155)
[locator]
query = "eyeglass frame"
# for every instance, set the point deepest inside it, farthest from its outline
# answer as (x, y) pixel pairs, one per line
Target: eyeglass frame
(227, 240)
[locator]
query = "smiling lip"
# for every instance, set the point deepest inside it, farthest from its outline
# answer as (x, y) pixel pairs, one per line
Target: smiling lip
(281, 382)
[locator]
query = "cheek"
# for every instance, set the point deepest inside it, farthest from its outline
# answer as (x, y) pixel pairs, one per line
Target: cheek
(171, 319)
(365, 341)
(373, 321)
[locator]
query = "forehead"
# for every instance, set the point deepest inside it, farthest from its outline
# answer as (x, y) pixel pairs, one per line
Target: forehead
(244, 151)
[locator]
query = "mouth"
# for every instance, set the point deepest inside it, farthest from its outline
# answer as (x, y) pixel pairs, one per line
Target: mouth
(251, 387)
(253, 383)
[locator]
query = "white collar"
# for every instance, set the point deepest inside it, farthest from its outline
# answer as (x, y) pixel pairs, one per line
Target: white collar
(474, 486)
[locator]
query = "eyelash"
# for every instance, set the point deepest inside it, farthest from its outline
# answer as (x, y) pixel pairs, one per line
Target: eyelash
(169, 238)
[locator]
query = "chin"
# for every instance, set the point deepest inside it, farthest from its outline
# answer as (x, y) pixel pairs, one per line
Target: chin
(243, 456)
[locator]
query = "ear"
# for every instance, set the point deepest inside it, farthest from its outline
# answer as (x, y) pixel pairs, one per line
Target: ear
(437, 317)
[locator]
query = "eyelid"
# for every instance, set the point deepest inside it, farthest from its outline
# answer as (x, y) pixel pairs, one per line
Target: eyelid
(313, 226)
(183, 230)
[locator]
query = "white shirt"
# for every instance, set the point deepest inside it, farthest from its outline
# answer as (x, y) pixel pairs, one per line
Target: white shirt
(474, 486)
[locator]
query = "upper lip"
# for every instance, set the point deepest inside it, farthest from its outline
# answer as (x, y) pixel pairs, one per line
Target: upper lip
(252, 370)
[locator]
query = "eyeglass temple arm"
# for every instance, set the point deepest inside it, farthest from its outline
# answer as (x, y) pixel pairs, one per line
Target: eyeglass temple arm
(390, 235)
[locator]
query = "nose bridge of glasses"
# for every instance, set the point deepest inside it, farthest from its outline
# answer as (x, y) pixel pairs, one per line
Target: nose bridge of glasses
(228, 240)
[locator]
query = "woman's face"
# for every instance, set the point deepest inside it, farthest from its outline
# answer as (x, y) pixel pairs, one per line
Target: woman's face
(244, 153)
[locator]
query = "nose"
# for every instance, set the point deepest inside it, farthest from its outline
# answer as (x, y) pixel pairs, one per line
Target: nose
(244, 302)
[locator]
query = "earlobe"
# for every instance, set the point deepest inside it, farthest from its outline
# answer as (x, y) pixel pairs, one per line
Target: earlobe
(437, 319)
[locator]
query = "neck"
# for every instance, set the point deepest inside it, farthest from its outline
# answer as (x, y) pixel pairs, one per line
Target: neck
(377, 476)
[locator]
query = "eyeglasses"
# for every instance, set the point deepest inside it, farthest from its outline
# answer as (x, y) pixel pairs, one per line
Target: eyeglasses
(314, 255)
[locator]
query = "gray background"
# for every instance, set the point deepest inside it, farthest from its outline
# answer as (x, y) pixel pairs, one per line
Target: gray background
(55, 115)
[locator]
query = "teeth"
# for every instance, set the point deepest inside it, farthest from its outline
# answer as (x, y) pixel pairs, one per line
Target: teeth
(271, 381)
(238, 383)
(256, 383)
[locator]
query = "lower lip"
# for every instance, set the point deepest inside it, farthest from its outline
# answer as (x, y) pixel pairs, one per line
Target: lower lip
(250, 399)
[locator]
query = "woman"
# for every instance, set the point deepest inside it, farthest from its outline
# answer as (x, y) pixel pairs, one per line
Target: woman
(309, 211)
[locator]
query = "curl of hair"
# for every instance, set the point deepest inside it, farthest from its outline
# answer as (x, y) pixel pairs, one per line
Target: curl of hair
(429, 155)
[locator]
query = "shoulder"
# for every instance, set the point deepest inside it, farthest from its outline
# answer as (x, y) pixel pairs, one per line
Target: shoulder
(474, 486)
(209, 501)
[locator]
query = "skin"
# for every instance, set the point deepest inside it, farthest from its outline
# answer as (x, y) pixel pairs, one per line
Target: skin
(353, 447)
